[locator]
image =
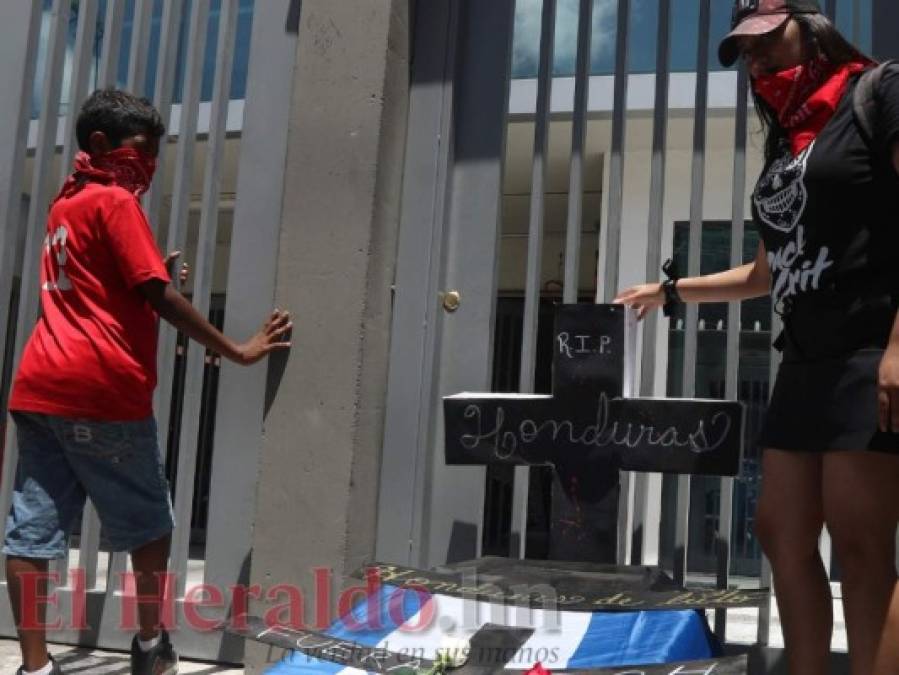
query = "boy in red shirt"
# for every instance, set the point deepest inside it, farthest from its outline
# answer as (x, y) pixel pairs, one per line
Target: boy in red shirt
(82, 397)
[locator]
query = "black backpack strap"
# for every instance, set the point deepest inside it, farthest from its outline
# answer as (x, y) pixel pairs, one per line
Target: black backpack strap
(864, 100)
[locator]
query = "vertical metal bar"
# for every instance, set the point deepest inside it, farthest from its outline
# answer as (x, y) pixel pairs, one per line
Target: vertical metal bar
(825, 548)
(731, 381)
(42, 184)
(81, 70)
(417, 321)
(251, 287)
(89, 545)
(18, 53)
(616, 162)
(613, 229)
(140, 40)
(763, 634)
(472, 230)
(112, 43)
(162, 98)
(830, 9)
(578, 143)
(535, 256)
(177, 234)
(856, 22)
(203, 267)
(765, 578)
(657, 191)
(697, 189)
(89, 540)
(654, 250)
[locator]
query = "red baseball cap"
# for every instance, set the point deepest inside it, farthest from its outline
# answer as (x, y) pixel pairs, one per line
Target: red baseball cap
(757, 17)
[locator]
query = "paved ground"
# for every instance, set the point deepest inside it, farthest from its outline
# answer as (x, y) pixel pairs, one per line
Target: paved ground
(741, 628)
(83, 661)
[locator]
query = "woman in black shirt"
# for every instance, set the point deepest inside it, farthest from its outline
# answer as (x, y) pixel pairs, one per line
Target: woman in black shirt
(826, 208)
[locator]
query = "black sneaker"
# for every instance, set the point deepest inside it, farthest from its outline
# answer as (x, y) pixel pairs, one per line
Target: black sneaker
(161, 660)
(56, 669)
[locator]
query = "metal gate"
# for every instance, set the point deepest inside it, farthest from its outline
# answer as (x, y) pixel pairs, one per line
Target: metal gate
(217, 191)
(480, 150)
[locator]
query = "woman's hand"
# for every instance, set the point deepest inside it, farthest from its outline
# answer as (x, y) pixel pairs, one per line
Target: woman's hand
(888, 391)
(642, 298)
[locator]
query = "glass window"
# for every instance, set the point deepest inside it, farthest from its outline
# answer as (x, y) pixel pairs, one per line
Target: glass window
(753, 383)
(643, 34)
(238, 72)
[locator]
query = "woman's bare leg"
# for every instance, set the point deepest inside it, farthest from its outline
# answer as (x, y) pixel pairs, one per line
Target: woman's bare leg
(887, 662)
(861, 507)
(788, 524)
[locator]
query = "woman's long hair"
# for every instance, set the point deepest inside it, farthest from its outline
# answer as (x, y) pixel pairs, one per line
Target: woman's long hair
(820, 37)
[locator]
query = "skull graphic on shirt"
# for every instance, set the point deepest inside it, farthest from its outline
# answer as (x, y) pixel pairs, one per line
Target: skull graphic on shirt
(781, 195)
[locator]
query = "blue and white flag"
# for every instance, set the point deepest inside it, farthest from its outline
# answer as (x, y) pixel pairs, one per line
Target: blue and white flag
(403, 622)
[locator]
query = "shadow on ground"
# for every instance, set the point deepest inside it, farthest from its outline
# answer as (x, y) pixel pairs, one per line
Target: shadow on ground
(80, 661)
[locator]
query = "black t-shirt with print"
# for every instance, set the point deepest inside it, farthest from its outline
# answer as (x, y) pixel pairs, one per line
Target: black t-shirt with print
(829, 217)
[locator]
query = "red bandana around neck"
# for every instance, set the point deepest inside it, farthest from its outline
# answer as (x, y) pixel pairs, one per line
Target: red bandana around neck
(126, 167)
(806, 97)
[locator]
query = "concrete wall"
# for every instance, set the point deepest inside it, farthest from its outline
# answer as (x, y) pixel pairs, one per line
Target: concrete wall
(322, 437)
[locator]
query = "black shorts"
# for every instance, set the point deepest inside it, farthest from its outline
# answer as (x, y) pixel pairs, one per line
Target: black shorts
(827, 404)
(825, 394)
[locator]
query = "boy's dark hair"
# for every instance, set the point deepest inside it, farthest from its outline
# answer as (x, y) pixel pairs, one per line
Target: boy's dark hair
(117, 114)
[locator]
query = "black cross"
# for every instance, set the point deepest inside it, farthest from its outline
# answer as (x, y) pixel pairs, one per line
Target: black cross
(587, 430)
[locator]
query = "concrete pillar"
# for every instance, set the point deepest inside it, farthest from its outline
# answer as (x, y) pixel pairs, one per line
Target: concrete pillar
(319, 465)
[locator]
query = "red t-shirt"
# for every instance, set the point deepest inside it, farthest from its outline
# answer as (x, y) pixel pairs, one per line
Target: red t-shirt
(93, 351)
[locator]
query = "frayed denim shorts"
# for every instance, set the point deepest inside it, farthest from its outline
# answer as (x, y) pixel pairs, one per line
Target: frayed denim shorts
(62, 461)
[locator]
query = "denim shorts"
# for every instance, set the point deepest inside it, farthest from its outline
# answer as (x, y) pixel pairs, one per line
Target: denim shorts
(62, 461)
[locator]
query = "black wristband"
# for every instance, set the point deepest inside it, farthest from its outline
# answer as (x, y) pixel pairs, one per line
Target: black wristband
(669, 286)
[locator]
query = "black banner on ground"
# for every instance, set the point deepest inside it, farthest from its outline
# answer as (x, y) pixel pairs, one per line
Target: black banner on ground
(609, 589)
(735, 665)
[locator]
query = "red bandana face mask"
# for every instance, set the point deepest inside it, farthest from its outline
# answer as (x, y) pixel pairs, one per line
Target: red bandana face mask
(128, 168)
(805, 97)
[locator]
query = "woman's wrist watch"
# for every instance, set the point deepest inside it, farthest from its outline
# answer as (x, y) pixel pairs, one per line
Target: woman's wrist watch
(669, 287)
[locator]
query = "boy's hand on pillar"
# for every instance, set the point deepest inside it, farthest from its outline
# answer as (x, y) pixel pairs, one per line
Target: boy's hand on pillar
(270, 337)
(183, 272)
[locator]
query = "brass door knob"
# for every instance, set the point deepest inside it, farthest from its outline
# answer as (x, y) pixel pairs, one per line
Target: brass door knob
(451, 300)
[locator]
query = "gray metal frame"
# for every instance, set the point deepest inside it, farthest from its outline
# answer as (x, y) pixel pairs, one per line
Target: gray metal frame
(459, 205)
(697, 193)
(416, 312)
(19, 53)
(647, 387)
(250, 287)
(578, 143)
(534, 258)
(202, 289)
(449, 210)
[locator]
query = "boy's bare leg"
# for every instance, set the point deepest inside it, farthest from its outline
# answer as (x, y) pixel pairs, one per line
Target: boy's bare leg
(32, 639)
(150, 562)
